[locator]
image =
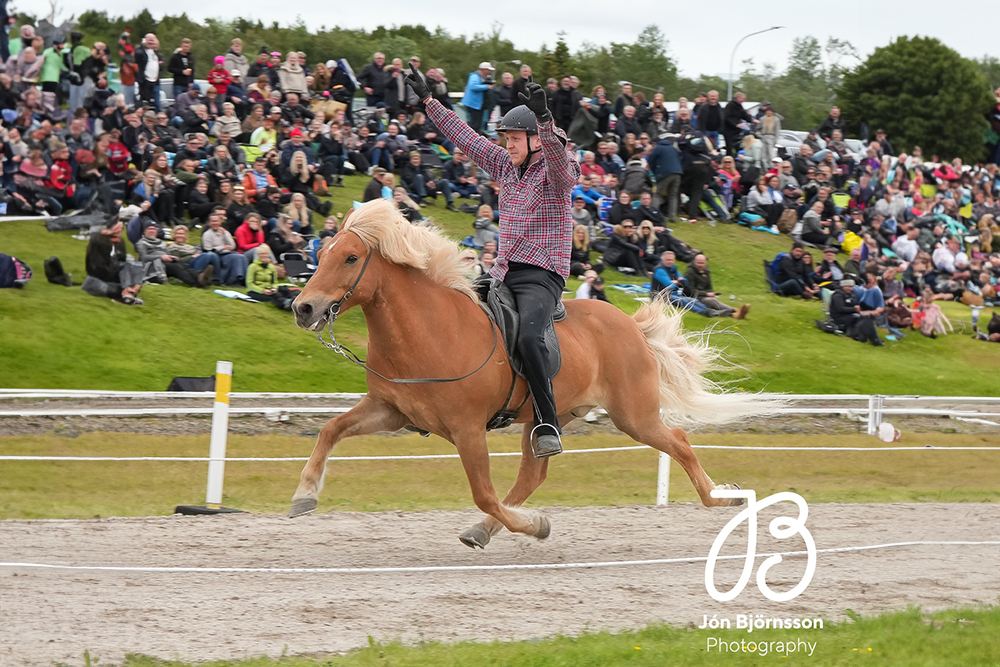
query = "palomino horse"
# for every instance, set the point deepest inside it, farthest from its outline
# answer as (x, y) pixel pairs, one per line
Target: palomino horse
(424, 322)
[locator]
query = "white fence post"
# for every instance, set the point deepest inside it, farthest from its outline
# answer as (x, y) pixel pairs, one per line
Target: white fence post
(872, 429)
(220, 428)
(663, 479)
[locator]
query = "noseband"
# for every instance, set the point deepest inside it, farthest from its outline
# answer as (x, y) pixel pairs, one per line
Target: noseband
(333, 312)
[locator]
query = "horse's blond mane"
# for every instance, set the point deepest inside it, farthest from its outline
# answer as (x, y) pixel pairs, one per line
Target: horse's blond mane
(381, 226)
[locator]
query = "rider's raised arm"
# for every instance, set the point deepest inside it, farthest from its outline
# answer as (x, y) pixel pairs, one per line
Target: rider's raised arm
(562, 170)
(483, 152)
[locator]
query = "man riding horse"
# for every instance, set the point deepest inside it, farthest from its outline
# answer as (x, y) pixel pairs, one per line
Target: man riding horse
(536, 175)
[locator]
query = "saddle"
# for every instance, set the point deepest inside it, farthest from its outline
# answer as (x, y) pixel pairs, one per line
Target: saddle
(498, 301)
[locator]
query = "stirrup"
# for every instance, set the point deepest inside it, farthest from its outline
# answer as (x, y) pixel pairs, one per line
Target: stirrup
(550, 449)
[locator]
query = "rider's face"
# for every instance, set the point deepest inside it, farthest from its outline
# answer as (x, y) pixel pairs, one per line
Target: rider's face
(518, 143)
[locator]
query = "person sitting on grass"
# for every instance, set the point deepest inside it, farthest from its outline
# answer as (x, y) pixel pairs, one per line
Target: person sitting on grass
(150, 248)
(816, 230)
(579, 254)
(216, 239)
(192, 255)
(485, 228)
(300, 215)
(199, 203)
(597, 290)
(668, 282)
(870, 297)
(623, 251)
(583, 291)
(849, 317)
(284, 239)
(109, 273)
(829, 272)
(249, 236)
(409, 208)
(766, 199)
(582, 216)
(698, 285)
(652, 244)
(262, 276)
(793, 278)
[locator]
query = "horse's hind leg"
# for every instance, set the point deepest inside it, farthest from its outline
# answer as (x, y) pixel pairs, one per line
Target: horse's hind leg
(530, 476)
(368, 416)
(646, 427)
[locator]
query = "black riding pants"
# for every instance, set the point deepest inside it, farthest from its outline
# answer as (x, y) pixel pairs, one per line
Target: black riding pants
(538, 292)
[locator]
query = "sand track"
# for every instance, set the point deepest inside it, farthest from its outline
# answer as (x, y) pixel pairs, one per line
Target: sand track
(54, 615)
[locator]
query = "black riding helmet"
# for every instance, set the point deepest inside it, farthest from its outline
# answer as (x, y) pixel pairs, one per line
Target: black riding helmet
(522, 118)
(519, 118)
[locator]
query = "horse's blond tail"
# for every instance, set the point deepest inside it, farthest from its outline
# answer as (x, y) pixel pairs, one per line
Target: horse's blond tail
(687, 398)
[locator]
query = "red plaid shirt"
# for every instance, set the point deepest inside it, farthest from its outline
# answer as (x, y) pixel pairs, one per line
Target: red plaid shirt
(536, 226)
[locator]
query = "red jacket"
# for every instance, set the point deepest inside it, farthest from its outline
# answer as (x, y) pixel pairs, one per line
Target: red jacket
(118, 157)
(247, 238)
(220, 79)
(61, 178)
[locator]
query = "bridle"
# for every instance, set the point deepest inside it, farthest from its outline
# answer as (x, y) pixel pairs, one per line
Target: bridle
(333, 312)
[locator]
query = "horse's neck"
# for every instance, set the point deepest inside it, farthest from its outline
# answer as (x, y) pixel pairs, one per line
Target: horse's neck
(410, 312)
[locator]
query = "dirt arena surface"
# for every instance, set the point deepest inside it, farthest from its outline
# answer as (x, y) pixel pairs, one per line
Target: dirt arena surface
(54, 615)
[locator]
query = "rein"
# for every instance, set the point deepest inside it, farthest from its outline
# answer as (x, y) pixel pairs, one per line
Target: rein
(334, 311)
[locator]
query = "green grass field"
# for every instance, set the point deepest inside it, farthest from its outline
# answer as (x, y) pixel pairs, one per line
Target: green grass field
(43, 489)
(957, 637)
(57, 337)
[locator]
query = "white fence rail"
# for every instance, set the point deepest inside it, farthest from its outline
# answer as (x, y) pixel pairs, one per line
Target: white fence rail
(873, 413)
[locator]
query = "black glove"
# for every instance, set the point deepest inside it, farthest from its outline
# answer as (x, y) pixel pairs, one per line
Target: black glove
(536, 101)
(417, 84)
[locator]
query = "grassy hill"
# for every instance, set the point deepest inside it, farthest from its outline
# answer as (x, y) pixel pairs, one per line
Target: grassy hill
(58, 337)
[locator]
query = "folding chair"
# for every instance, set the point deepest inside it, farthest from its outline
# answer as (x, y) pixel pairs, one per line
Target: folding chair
(296, 266)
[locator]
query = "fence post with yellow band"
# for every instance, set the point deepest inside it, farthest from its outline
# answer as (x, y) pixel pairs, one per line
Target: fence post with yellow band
(220, 428)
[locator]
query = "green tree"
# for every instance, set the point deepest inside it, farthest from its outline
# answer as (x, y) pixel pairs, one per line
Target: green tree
(559, 62)
(990, 66)
(805, 63)
(923, 93)
(645, 61)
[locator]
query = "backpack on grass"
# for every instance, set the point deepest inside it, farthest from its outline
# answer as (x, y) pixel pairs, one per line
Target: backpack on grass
(55, 273)
(13, 272)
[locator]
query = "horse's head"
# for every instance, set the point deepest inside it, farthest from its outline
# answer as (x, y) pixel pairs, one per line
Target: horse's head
(373, 237)
(338, 281)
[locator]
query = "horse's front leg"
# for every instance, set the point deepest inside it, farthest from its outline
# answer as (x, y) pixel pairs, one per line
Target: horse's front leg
(530, 476)
(476, 461)
(368, 416)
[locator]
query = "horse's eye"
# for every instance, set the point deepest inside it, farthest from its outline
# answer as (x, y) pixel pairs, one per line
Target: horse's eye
(351, 259)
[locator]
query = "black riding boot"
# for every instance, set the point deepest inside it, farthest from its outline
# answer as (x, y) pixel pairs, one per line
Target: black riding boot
(538, 292)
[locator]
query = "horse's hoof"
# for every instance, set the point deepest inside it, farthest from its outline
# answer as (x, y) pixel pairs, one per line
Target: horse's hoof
(730, 502)
(475, 537)
(302, 506)
(544, 528)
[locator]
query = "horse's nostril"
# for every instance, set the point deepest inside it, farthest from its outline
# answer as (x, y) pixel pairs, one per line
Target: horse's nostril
(305, 309)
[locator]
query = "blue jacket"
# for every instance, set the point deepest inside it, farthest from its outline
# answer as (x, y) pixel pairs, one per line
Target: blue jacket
(589, 195)
(288, 148)
(474, 90)
(664, 160)
(669, 278)
(872, 298)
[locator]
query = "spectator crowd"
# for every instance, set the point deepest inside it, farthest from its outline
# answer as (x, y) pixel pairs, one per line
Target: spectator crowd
(249, 151)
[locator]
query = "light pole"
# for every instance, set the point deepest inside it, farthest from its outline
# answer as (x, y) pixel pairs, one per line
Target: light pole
(732, 57)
